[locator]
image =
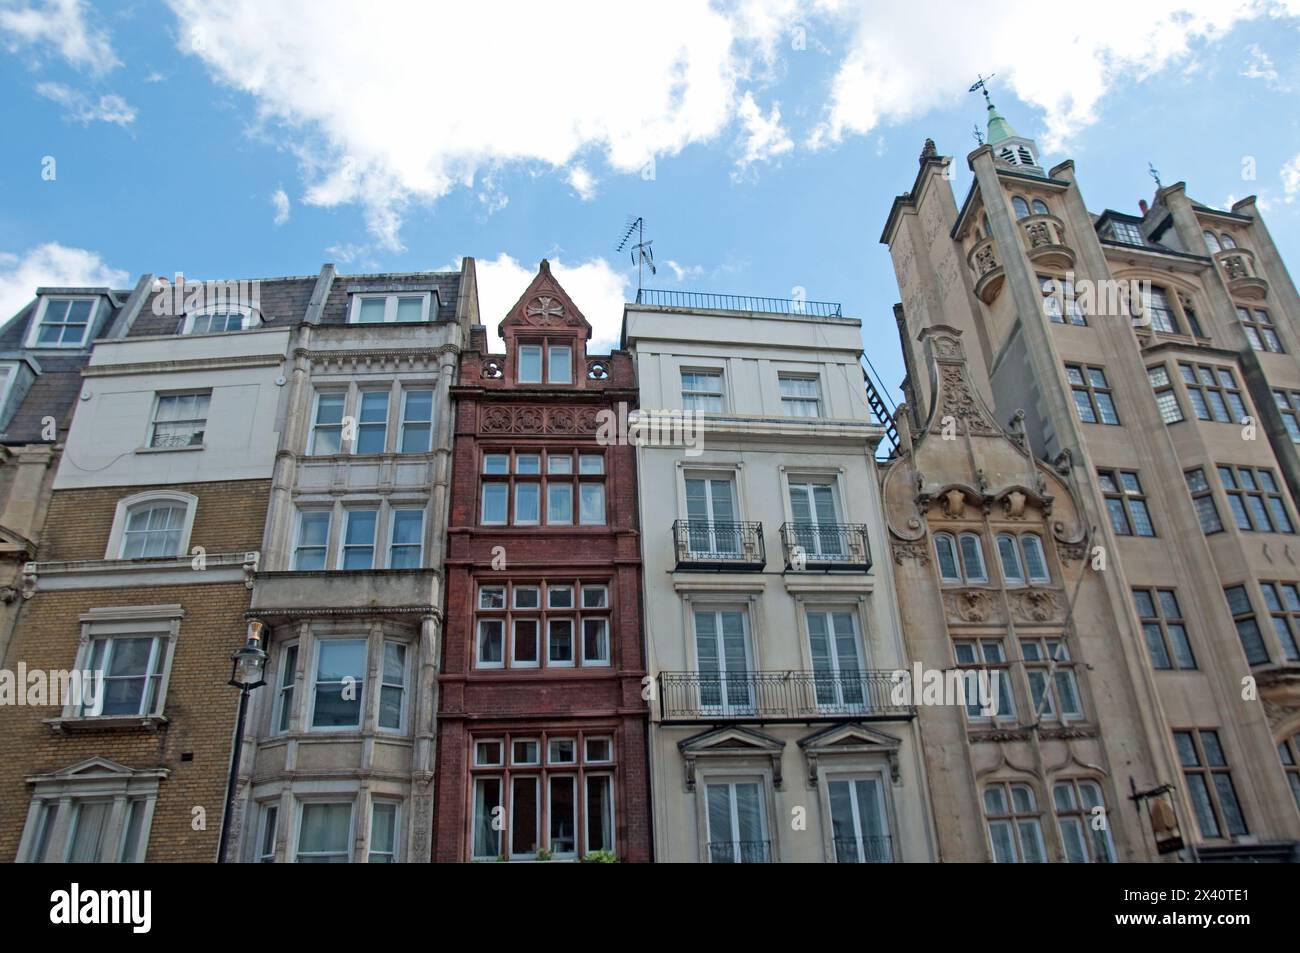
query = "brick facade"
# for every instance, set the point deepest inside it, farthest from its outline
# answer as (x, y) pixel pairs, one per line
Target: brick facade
(498, 415)
(193, 744)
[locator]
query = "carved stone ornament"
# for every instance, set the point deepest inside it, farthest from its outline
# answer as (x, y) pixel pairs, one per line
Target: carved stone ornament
(545, 311)
(954, 504)
(970, 605)
(959, 401)
(530, 421)
(1014, 504)
(1035, 605)
(911, 549)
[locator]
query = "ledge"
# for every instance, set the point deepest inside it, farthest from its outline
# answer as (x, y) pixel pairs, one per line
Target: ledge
(112, 573)
(63, 725)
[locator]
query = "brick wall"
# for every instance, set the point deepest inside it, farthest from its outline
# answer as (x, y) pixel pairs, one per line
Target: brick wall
(229, 518)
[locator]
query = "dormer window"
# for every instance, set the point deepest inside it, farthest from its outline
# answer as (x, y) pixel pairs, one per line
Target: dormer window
(62, 321)
(390, 308)
(1126, 232)
(559, 364)
(530, 363)
(217, 321)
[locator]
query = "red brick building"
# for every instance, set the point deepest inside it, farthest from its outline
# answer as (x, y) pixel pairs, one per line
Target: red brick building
(542, 726)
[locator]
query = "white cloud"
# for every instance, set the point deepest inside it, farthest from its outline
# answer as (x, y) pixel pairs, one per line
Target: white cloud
(682, 272)
(80, 107)
(582, 182)
(907, 58)
(1291, 179)
(379, 118)
(1259, 66)
(52, 265)
(280, 202)
(557, 83)
(596, 287)
(61, 24)
(765, 137)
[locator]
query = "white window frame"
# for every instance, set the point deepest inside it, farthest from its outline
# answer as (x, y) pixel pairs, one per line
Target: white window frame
(312, 683)
(264, 809)
(303, 511)
(541, 363)
(550, 363)
(154, 421)
(34, 329)
(720, 394)
(316, 425)
(404, 422)
(540, 642)
(95, 779)
(280, 706)
(161, 622)
(116, 535)
(362, 391)
(849, 776)
(392, 529)
(730, 782)
(390, 305)
(396, 853)
(828, 611)
(247, 318)
(301, 810)
(788, 399)
(404, 686)
(479, 661)
(341, 549)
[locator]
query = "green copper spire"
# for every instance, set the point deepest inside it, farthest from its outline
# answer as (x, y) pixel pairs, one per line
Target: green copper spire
(999, 128)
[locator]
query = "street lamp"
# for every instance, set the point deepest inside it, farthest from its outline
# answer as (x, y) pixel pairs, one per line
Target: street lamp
(247, 672)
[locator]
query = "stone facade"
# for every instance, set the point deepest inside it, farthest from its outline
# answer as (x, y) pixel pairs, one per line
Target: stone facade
(1149, 360)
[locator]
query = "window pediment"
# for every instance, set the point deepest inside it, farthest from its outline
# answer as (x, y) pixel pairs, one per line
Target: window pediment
(850, 739)
(735, 742)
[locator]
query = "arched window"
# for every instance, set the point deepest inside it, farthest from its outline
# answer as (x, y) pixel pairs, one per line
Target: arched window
(1035, 560)
(219, 319)
(1021, 206)
(1013, 573)
(1211, 241)
(1014, 825)
(1077, 803)
(972, 558)
(152, 525)
(1040, 207)
(1228, 240)
(946, 548)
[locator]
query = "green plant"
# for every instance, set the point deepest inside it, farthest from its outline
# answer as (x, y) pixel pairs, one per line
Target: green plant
(600, 857)
(544, 854)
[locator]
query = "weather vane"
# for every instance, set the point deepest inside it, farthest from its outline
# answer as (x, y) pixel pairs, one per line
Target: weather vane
(977, 133)
(982, 84)
(1155, 174)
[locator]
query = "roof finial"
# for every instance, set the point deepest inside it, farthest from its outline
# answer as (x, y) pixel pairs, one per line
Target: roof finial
(1155, 174)
(982, 85)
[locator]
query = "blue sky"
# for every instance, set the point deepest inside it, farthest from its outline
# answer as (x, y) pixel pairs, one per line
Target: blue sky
(763, 141)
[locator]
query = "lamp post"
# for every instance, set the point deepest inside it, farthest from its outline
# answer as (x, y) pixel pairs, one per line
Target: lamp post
(248, 670)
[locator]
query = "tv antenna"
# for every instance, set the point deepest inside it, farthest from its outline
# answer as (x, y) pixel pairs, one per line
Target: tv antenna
(642, 256)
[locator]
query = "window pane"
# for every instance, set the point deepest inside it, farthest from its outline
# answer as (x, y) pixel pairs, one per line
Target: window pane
(494, 502)
(530, 364)
(560, 365)
(410, 309)
(487, 798)
(340, 679)
(559, 503)
(600, 813)
(526, 502)
(323, 837)
(371, 311)
(383, 832)
(592, 503)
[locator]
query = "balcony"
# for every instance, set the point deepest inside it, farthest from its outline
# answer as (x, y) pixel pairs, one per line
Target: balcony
(1044, 237)
(698, 301)
(740, 852)
(773, 697)
(1239, 271)
(864, 850)
(989, 274)
(826, 546)
(719, 546)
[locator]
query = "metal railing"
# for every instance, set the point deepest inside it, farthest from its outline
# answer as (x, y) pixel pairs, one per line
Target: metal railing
(825, 545)
(739, 852)
(780, 696)
(718, 302)
(864, 850)
(710, 544)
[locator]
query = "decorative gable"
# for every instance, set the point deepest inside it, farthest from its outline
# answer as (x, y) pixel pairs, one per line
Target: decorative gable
(730, 744)
(852, 738)
(545, 318)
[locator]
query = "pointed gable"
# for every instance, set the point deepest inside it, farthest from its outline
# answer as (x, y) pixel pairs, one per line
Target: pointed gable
(545, 317)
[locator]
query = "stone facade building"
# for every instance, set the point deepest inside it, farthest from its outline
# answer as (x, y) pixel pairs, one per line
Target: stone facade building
(541, 721)
(775, 734)
(1151, 360)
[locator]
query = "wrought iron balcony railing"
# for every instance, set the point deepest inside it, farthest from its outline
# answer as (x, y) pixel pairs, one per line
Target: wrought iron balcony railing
(707, 544)
(825, 546)
(864, 850)
(739, 852)
(794, 696)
